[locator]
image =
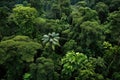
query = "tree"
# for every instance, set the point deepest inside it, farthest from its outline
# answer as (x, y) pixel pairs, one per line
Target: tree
(81, 14)
(89, 36)
(79, 67)
(38, 4)
(24, 18)
(16, 53)
(69, 46)
(71, 62)
(69, 39)
(91, 33)
(56, 11)
(111, 55)
(114, 22)
(4, 13)
(81, 4)
(114, 5)
(90, 3)
(102, 10)
(51, 40)
(65, 6)
(42, 69)
(7, 3)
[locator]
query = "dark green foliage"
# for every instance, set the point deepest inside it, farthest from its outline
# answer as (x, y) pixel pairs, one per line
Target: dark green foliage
(65, 7)
(42, 69)
(18, 50)
(4, 13)
(56, 12)
(69, 45)
(114, 19)
(69, 39)
(114, 5)
(90, 33)
(38, 4)
(111, 55)
(102, 10)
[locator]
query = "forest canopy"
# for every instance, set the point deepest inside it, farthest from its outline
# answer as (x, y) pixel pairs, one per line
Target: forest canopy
(59, 39)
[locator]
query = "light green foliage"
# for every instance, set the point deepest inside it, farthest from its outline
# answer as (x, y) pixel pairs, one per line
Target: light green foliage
(39, 21)
(17, 50)
(26, 76)
(73, 61)
(42, 69)
(51, 40)
(24, 17)
(79, 66)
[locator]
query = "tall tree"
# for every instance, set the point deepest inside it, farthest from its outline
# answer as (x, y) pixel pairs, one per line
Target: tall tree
(102, 10)
(16, 53)
(114, 19)
(24, 18)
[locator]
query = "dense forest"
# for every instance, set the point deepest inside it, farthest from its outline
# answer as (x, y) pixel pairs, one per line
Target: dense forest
(59, 39)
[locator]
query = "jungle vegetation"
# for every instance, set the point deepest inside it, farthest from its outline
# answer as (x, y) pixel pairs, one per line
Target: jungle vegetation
(59, 39)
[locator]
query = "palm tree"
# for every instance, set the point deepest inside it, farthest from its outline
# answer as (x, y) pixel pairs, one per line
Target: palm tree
(52, 40)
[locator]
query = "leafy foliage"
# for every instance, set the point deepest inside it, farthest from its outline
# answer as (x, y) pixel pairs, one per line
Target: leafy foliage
(79, 66)
(70, 45)
(111, 56)
(102, 10)
(42, 69)
(17, 50)
(23, 17)
(59, 40)
(51, 39)
(114, 23)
